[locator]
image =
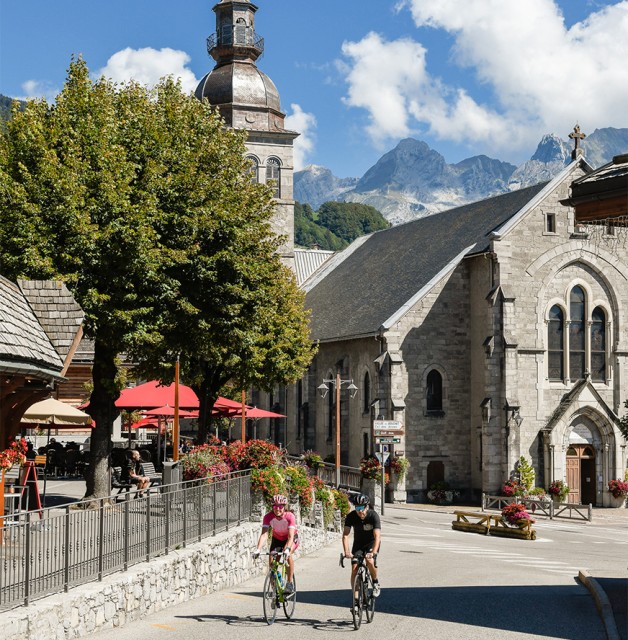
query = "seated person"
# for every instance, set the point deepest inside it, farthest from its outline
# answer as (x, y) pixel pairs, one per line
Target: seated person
(133, 472)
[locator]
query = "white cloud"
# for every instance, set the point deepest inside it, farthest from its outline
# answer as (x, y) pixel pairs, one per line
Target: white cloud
(303, 123)
(528, 73)
(147, 66)
(37, 89)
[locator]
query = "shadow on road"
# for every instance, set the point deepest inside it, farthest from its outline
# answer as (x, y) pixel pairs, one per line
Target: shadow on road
(510, 607)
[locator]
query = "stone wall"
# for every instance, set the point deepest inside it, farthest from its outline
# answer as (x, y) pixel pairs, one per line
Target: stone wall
(199, 569)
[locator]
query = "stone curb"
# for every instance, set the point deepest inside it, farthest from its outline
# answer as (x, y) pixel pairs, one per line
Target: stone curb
(602, 604)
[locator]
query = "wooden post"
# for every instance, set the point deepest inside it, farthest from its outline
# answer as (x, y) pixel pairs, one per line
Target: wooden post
(175, 426)
(243, 416)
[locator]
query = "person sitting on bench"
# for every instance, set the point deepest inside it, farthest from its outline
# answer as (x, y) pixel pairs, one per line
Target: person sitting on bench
(133, 472)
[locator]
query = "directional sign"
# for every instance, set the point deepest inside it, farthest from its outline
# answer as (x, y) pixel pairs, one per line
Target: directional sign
(381, 440)
(391, 425)
(389, 432)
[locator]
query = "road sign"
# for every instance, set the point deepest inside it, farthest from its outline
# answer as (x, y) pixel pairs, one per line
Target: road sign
(382, 457)
(392, 425)
(389, 432)
(387, 440)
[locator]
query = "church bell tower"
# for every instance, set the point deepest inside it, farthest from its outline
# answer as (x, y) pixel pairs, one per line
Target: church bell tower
(248, 99)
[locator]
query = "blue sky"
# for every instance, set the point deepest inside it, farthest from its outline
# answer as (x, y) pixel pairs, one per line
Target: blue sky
(356, 76)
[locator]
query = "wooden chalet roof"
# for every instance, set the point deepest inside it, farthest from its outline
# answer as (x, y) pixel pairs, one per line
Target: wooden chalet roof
(25, 347)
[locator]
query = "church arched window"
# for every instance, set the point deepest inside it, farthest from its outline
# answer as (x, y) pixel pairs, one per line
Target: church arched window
(434, 391)
(555, 344)
(273, 175)
(598, 345)
(576, 334)
(254, 169)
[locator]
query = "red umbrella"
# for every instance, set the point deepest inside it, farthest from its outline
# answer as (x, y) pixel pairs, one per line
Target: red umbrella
(254, 412)
(167, 411)
(153, 394)
(145, 423)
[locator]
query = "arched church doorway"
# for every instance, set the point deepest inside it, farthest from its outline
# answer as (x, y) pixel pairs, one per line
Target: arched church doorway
(580, 462)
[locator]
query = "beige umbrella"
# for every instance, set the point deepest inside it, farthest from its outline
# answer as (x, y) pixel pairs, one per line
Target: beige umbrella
(55, 413)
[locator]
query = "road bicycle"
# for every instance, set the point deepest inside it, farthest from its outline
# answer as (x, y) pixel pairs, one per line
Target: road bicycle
(274, 588)
(363, 600)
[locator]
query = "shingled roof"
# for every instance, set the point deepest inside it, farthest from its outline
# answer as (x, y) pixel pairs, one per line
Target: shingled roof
(378, 275)
(24, 346)
(58, 313)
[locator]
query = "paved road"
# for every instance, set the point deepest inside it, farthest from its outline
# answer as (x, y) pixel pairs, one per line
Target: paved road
(437, 583)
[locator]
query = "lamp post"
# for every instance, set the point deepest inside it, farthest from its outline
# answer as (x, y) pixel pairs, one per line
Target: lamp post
(337, 383)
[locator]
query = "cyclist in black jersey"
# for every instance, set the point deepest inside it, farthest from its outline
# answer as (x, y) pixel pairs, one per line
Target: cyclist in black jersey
(367, 528)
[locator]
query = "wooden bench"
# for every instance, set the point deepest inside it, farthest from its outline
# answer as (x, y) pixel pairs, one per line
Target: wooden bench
(493, 524)
(523, 531)
(474, 521)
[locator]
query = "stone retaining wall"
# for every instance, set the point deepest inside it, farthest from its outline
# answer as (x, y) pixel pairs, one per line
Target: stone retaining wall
(201, 568)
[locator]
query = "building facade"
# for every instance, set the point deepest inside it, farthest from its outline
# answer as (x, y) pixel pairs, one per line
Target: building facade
(491, 331)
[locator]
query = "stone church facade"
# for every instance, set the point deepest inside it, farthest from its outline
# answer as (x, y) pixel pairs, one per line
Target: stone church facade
(491, 331)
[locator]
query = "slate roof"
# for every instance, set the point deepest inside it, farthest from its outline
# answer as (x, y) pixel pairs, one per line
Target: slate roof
(57, 311)
(24, 346)
(381, 273)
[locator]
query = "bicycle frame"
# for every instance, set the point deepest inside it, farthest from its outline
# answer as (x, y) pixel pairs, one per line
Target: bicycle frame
(274, 586)
(362, 599)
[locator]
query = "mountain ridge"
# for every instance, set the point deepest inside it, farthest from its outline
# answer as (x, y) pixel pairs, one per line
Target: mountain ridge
(412, 179)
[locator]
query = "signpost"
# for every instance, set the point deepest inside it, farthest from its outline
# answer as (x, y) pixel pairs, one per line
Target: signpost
(382, 457)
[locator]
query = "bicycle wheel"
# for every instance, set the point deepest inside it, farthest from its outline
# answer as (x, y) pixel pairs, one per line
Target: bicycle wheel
(289, 601)
(357, 591)
(369, 600)
(270, 598)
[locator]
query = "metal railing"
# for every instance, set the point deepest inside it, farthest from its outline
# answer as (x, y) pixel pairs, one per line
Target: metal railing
(350, 477)
(51, 550)
(541, 507)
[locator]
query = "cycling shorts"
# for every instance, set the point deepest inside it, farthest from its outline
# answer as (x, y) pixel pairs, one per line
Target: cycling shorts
(279, 545)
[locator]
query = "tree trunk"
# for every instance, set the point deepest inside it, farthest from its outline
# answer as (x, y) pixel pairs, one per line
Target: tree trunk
(104, 412)
(207, 394)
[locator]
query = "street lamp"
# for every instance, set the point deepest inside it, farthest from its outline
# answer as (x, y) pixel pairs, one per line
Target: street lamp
(324, 390)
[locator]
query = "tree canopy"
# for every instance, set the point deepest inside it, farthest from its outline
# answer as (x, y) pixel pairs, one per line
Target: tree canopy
(336, 224)
(140, 201)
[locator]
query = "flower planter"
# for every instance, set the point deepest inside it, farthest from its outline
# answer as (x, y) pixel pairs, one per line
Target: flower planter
(617, 503)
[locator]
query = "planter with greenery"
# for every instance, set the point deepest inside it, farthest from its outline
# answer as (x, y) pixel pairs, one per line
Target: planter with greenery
(558, 490)
(619, 491)
(442, 493)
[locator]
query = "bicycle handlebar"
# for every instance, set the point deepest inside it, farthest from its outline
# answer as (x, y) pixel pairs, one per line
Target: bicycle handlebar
(358, 557)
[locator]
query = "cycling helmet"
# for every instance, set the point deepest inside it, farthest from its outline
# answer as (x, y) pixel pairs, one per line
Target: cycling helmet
(361, 500)
(280, 499)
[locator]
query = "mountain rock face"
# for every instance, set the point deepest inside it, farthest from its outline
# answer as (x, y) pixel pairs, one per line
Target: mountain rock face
(413, 180)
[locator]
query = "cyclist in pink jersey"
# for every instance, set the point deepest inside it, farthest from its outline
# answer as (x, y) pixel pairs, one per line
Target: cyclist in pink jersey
(285, 535)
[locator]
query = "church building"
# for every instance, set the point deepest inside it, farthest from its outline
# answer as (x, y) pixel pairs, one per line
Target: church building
(488, 332)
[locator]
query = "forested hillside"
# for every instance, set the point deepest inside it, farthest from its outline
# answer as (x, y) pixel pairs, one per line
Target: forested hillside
(335, 224)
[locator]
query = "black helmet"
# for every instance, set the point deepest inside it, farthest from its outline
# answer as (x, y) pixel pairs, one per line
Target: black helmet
(361, 500)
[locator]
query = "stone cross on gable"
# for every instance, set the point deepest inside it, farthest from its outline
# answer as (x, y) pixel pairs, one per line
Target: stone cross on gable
(576, 135)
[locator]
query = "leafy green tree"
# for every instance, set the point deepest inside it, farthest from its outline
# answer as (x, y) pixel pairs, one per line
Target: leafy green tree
(135, 197)
(308, 232)
(350, 220)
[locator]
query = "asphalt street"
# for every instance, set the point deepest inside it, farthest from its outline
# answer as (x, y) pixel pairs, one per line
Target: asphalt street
(437, 583)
